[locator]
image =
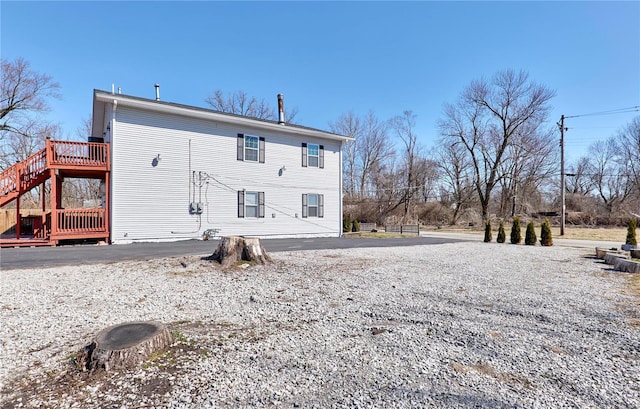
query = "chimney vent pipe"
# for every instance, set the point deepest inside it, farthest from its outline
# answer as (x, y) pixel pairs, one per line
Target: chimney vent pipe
(157, 92)
(281, 109)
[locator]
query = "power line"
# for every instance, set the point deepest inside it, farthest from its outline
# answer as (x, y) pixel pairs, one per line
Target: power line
(610, 112)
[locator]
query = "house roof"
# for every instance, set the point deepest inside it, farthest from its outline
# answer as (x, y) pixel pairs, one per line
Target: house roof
(100, 98)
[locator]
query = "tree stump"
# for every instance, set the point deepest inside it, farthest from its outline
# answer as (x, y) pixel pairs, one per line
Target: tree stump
(233, 249)
(124, 346)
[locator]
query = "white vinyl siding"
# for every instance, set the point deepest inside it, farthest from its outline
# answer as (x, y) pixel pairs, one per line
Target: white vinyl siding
(199, 165)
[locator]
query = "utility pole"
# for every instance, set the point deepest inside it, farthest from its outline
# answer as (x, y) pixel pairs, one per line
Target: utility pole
(562, 181)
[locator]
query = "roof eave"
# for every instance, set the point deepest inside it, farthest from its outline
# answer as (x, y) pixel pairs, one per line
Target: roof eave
(201, 113)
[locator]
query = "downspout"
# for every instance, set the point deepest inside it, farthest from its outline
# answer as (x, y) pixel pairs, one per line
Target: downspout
(340, 196)
(110, 179)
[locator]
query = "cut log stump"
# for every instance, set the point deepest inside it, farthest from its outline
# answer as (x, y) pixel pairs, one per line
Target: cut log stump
(124, 346)
(234, 249)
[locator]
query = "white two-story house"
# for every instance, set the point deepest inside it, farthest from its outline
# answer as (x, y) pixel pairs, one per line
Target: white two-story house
(183, 172)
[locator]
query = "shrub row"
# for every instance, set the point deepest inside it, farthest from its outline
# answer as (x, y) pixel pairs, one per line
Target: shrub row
(516, 236)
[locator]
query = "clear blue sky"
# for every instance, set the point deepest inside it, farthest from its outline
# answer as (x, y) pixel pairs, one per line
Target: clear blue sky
(332, 57)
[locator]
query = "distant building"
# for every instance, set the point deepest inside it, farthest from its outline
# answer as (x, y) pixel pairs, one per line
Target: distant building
(181, 172)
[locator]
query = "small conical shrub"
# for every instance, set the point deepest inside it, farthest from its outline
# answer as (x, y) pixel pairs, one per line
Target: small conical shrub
(346, 223)
(487, 232)
(355, 226)
(516, 236)
(502, 236)
(631, 232)
(530, 236)
(545, 234)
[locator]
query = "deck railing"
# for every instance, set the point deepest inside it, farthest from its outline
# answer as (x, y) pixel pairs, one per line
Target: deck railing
(80, 221)
(65, 153)
(23, 173)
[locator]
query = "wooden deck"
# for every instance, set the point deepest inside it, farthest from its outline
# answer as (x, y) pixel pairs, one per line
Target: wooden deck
(57, 160)
(24, 241)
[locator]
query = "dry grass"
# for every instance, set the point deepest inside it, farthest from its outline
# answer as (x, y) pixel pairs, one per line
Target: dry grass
(593, 233)
(376, 235)
(617, 234)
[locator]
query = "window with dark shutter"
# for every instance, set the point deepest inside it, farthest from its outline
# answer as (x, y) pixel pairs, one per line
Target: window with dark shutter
(312, 205)
(304, 206)
(240, 203)
(321, 157)
(261, 158)
(240, 146)
(304, 155)
(260, 204)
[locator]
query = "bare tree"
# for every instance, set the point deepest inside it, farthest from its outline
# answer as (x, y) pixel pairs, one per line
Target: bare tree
(456, 176)
(581, 182)
(629, 143)
(608, 174)
(82, 192)
(487, 121)
(24, 94)
(404, 129)
(529, 162)
(364, 156)
(349, 125)
(240, 103)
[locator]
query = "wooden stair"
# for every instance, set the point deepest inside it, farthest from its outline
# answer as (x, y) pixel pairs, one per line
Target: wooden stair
(23, 176)
(59, 159)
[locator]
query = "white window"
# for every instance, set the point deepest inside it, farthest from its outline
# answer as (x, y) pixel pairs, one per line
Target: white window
(251, 148)
(313, 155)
(250, 204)
(312, 205)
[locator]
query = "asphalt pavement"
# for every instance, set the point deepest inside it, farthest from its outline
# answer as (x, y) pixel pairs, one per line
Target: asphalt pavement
(39, 257)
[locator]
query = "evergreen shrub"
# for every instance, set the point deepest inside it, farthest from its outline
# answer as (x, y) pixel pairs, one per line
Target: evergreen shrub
(355, 226)
(545, 234)
(631, 232)
(346, 223)
(487, 232)
(530, 236)
(516, 235)
(502, 236)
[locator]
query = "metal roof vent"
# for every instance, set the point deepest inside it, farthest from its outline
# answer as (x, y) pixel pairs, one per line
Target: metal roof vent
(157, 92)
(281, 109)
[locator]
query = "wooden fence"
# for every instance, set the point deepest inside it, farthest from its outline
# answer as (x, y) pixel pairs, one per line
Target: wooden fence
(403, 228)
(368, 226)
(8, 218)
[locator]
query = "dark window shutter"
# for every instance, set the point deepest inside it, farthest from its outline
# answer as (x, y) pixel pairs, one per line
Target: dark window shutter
(261, 153)
(320, 205)
(240, 203)
(305, 211)
(240, 146)
(304, 155)
(321, 157)
(260, 204)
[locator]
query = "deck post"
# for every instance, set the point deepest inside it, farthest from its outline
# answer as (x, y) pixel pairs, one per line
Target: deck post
(18, 218)
(107, 206)
(54, 201)
(43, 224)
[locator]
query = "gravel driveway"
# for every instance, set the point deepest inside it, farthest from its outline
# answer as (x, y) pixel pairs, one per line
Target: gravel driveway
(452, 325)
